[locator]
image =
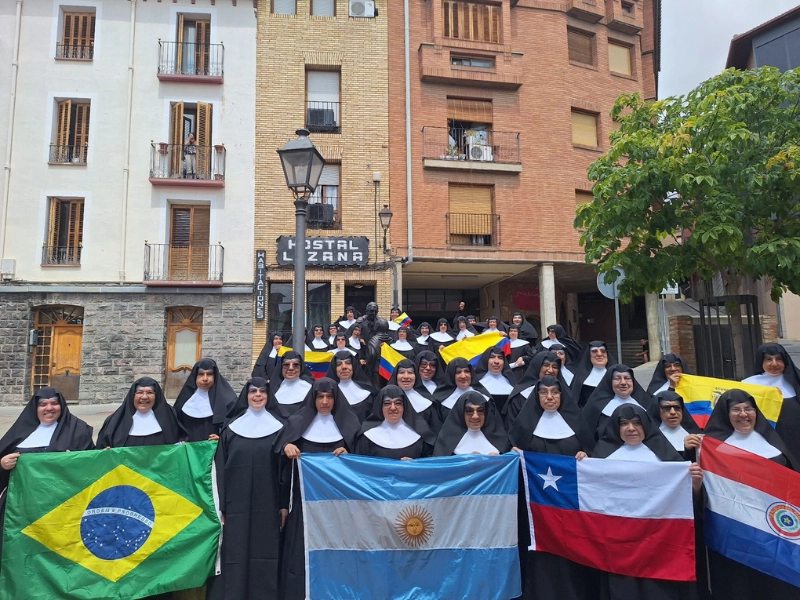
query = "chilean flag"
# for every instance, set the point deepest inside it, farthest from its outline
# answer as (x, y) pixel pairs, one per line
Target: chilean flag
(623, 517)
(753, 512)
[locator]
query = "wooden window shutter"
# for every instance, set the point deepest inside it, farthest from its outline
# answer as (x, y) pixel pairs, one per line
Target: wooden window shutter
(584, 129)
(79, 29)
(198, 256)
(176, 140)
(474, 111)
(204, 140)
(202, 47)
(81, 129)
(75, 229)
(62, 129)
(580, 47)
(619, 59)
(179, 45)
(472, 21)
(188, 257)
(474, 201)
(54, 222)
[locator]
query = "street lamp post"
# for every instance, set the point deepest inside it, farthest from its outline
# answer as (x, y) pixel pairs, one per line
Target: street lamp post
(386, 219)
(302, 166)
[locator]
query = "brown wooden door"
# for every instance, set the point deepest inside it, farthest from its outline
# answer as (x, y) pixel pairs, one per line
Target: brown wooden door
(65, 368)
(188, 256)
(184, 346)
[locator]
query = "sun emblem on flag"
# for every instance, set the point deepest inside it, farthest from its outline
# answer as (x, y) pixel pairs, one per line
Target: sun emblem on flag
(784, 519)
(414, 525)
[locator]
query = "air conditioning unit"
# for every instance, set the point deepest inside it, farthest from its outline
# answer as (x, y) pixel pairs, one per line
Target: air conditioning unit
(320, 215)
(483, 153)
(363, 8)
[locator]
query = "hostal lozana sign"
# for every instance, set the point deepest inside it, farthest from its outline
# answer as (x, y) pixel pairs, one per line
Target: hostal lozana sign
(327, 252)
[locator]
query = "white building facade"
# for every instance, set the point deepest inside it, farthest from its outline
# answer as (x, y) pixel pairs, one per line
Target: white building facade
(126, 249)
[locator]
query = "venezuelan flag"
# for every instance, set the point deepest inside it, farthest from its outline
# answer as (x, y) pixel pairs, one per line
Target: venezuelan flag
(318, 363)
(121, 523)
(403, 320)
(389, 359)
(701, 393)
(472, 348)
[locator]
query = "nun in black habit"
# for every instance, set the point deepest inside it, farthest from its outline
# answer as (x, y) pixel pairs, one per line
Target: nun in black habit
(631, 435)
(527, 331)
(316, 340)
(404, 344)
(776, 368)
(204, 401)
(290, 383)
(556, 334)
(459, 380)
(421, 400)
(494, 374)
(521, 352)
(144, 419)
(253, 509)
(354, 384)
(589, 371)
(462, 329)
(394, 429)
(543, 363)
(442, 337)
(473, 426)
(44, 425)
(677, 423)
(265, 363)
(430, 374)
(550, 423)
(324, 423)
(356, 342)
(617, 387)
(737, 420)
(667, 373)
(565, 371)
(423, 332)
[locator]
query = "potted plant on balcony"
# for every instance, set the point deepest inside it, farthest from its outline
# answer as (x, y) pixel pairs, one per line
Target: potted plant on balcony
(163, 147)
(452, 152)
(472, 137)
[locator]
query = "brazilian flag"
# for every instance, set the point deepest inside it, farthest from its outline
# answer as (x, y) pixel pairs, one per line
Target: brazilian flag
(116, 524)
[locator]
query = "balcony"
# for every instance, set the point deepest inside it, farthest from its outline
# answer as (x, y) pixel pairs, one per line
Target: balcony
(183, 265)
(449, 148)
(322, 117)
(190, 62)
(63, 256)
(438, 65)
(169, 165)
(591, 11)
(623, 16)
(75, 52)
(68, 155)
(473, 230)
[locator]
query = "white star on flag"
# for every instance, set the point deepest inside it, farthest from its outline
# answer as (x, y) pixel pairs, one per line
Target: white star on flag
(549, 479)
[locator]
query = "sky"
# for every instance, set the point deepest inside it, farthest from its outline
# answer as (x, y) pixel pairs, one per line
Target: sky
(696, 36)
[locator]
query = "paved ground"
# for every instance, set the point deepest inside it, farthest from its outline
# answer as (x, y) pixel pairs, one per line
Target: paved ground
(95, 414)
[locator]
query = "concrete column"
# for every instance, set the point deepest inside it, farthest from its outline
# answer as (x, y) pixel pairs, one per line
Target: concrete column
(547, 296)
(651, 310)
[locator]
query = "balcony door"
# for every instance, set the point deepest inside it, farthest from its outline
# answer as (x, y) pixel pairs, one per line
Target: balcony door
(189, 118)
(194, 42)
(189, 243)
(57, 357)
(470, 217)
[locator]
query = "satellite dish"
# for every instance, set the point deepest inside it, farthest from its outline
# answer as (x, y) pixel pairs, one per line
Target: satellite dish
(609, 290)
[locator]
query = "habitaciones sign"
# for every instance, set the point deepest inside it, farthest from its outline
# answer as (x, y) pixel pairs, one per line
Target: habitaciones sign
(327, 252)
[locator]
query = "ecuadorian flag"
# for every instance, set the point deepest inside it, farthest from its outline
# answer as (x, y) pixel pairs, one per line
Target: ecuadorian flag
(472, 348)
(403, 320)
(120, 523)
(389, 359)
(701, 393)
(318, 363)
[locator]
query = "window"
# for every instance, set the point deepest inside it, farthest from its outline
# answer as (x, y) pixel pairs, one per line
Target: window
(619, 59)
(190, 118)
(472, 21)
(472, 61)
(323, 8)
(194, 46)
(470, 218)
(280, 307)
(322, 101)
(284, 7)
(584, 129)
(469, 122)
(358, 296)
(627, 8)
(64, 232)
(581, 47)
(77, 36)
(189, 243)
(582, 197)
(318, 304)
(324, 210)
(71, 142)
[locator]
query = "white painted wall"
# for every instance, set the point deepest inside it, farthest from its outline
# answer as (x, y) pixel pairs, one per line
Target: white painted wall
(43, 80)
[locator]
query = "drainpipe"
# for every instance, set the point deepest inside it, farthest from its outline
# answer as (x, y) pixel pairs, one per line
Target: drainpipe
(409, 206)
(10, 140)
(126, 166)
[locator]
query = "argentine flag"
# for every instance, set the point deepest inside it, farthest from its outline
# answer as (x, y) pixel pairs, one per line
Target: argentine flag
(430, 528)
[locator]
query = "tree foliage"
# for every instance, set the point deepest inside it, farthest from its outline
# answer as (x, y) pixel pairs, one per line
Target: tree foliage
(705, 182)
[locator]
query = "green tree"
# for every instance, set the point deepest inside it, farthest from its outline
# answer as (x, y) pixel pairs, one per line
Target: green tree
(700, 184)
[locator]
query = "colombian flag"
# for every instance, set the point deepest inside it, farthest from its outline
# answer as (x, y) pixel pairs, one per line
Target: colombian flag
(389, 359)
(701, 393)
(119, 523)
(472, 348)
(403, 320)
(318, 363)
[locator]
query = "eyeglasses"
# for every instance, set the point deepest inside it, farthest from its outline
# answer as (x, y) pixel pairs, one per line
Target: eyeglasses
(599, 351)
(749, 410)
(670, 407)
(549, 394)
(621, 378)
(478, 410)
(291, 365)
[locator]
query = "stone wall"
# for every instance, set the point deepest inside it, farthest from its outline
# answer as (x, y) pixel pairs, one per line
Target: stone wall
(124, 337)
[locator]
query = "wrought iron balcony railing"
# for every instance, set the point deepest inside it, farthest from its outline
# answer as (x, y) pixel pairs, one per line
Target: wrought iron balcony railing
(183, 263)
(465, 229)
(68, 154)
(75, 51)
(455, 143)
(322, 117)
(191, 59)
(188, 163)
(61, 255)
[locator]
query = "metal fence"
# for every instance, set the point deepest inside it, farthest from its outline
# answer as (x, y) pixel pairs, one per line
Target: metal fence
(714, 336)
(178, 161)
(456, 143)
(74, 154)
(75, 51)
(189, 58)
(168, 262)
(61, 255)
(322, 117)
